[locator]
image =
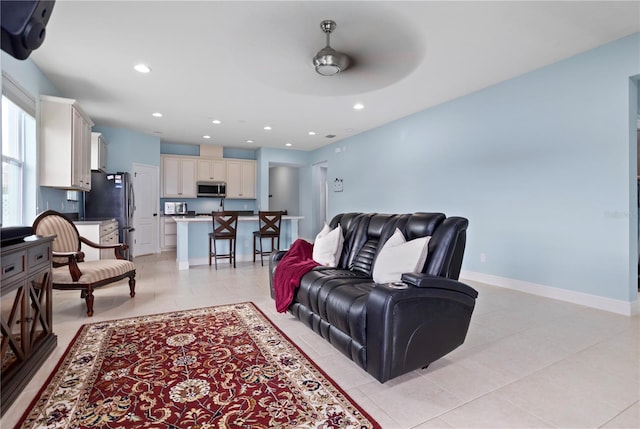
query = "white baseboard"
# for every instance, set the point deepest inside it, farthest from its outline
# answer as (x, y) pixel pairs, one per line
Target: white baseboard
(588, 300)
(240, 258)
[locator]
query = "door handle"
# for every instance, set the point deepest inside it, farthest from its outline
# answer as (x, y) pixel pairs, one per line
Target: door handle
(155, 214)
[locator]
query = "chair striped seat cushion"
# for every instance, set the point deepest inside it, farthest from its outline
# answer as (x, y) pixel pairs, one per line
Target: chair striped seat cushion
(93, 271)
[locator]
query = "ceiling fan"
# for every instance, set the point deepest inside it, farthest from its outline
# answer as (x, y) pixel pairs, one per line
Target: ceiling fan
(328, 61)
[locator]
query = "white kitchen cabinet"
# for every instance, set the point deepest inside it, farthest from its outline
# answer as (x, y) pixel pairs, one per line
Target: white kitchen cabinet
(241, 179)
(168, 235)
(212, 169)
(98, 152)
(100, 232)
(65, 144)
(178, 177)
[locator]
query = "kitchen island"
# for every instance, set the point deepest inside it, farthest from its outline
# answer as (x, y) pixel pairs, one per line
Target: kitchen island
(192, 245)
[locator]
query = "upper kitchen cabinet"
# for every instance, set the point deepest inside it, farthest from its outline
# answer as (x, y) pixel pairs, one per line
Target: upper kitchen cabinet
(241, 179)
(212, 170)
(98, 152)
(178, 176)
(65, 144)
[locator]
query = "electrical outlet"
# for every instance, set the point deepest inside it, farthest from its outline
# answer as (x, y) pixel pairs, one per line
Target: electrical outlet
(483, 257)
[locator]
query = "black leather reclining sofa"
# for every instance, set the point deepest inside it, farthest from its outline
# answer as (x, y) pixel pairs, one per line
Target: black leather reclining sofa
(389, 329)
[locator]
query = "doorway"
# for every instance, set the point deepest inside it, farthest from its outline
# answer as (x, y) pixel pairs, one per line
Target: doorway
(284, 189)
(145, 214)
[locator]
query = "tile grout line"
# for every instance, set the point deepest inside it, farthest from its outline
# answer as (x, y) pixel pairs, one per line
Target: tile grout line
(617, 415)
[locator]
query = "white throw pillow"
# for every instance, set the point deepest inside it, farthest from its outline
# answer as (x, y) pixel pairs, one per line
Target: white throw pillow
(327, 246)
(399, 256)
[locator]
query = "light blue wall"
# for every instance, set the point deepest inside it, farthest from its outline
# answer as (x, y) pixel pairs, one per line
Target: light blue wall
(295, 158)
(230, 152)
(194, 150)
(126, 147)
(538, 164)
(179, 149)
(27, 74)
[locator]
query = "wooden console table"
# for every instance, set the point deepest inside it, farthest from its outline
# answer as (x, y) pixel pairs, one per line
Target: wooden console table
(25, 316)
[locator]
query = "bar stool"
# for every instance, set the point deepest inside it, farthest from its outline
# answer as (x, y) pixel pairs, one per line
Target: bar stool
(225, 225)
(269, 227)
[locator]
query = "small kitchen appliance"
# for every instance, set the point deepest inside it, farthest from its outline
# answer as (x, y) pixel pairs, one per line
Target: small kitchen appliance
(169, 208)
(181, 208)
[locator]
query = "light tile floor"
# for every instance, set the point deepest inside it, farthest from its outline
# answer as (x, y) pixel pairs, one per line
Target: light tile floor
(528, 362)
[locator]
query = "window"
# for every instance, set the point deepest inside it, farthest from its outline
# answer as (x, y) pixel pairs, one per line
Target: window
(18, 136)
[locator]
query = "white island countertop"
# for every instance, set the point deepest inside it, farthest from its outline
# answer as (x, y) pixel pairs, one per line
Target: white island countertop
(207, 218)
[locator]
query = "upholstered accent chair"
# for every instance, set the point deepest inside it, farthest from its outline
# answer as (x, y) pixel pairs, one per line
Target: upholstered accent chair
(70, 271)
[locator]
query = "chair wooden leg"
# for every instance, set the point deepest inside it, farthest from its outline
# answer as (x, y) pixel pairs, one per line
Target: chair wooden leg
(210, 251)
(89, 300)
(215, 254)
(254, 249)
(132, 285)
(234, 251)
(261, 253)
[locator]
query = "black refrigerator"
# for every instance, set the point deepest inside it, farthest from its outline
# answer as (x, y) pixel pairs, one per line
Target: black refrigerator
(111, 196)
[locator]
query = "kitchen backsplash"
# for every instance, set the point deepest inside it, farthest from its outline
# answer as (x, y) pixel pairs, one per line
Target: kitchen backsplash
(56, 199)
(206, 205)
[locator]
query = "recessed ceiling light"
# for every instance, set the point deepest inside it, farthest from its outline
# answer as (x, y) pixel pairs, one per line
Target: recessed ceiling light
(358, 106)
(142, 68)
(157, 115)
(216, 121)
(312, 133)
(206, 137)
(249, 141)
(287, 144)
(267, 128)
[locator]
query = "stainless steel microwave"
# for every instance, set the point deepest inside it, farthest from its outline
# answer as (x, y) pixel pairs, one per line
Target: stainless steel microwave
(211, 189)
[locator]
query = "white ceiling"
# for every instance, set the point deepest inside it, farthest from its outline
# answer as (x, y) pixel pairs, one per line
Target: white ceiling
(248, 64)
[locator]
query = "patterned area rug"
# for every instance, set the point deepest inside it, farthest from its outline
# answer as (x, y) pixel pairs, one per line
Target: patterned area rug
(217, 367)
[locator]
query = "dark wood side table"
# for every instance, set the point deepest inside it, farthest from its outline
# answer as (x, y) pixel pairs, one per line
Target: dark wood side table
(25, 313)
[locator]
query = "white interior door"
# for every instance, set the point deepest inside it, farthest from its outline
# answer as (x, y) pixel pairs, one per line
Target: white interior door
(145, 215)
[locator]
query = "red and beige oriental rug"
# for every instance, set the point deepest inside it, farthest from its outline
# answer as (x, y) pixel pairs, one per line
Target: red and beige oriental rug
(217, 367)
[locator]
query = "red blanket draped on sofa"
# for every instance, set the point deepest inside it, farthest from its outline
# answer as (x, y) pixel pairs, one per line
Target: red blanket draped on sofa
(293, 265)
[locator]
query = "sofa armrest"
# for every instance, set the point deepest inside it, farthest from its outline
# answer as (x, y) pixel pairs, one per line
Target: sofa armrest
(428, 281)
(409, 327)
(274, 259)
(276, 256)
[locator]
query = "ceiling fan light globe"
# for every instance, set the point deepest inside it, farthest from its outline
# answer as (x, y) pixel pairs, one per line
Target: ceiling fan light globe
(329, 62)
(327, 69)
